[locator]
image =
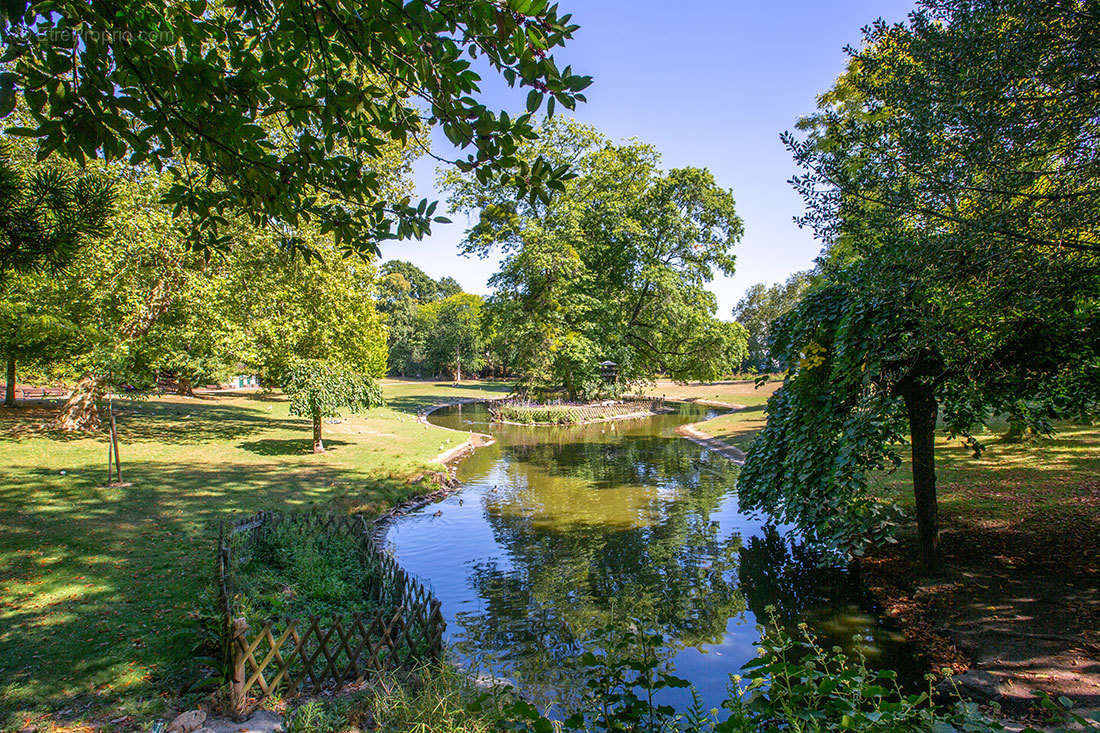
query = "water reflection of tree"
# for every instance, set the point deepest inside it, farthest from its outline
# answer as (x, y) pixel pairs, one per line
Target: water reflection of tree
(776, 572)
(563, 580)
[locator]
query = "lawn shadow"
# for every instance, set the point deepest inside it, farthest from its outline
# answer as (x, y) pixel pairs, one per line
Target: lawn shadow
(286, 446)
(101, 581)
(446, 393)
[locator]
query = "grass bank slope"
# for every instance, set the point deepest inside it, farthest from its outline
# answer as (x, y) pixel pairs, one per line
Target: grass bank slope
(95, 580)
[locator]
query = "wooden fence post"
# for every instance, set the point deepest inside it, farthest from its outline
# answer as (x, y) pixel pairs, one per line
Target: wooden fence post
(238, 644)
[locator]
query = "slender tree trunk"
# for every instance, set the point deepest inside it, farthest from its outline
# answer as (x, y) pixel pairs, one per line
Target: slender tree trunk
(79, 413)
(318, 446)
(920, 401)
(9, 389)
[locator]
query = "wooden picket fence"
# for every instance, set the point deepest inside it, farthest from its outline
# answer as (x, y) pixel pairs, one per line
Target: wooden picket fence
(401, 626)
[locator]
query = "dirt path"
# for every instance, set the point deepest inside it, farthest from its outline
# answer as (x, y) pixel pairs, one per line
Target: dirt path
(1016, 612)
(695, 435)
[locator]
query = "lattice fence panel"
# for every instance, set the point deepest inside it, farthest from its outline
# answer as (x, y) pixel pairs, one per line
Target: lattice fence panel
(404, 628)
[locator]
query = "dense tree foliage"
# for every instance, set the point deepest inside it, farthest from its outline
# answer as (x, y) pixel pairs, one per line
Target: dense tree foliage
(137, 303)
(953, 171)
(319, 388)
(434, 328)
(279, 112)
(417, 284)
(614, 267)
(46, 213)
(758, 309)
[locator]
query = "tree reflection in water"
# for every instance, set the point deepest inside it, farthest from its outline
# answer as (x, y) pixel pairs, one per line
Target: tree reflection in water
(596, 526)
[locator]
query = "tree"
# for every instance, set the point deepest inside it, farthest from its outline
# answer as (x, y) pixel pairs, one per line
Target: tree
(276, 112)
(288, 308)
(454, 334)
(320, 389)
(46, 214)
(424, 333)
(614, 267)
(955, 283)
(756, 311)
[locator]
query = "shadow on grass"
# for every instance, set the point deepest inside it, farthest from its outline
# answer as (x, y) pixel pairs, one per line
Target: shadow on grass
(441, 393)
(99, 582)
(286, 446)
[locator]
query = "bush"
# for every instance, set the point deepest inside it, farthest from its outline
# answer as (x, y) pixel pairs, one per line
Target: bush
(296, 572)
(794, 685)
(540, 414)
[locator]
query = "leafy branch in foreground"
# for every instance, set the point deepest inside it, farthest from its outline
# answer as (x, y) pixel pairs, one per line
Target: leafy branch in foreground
(278, 111)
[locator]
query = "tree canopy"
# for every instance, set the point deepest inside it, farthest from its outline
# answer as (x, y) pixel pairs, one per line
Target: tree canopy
(280, 112)
(759, 308)
(614, 267)
(46, 214)
(318, 389)
(955, 186)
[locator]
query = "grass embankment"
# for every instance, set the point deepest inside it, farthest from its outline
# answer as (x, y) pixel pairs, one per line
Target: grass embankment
(735, 428)
(96, 582)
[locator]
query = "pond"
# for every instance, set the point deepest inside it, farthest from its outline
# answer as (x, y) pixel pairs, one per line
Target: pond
(560, 531)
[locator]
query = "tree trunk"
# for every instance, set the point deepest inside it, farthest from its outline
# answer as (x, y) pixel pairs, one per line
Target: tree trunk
(9, 390)
(80, 413)
(318, 446)
(920, 401)
(183, 387)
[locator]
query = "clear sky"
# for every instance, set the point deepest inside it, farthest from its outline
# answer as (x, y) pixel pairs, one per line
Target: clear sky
(710, 83)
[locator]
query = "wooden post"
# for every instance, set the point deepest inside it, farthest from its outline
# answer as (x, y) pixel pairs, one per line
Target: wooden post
(114, 441)
(237, 645)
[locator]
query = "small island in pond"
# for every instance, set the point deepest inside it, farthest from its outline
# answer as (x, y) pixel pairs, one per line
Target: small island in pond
(525, 412)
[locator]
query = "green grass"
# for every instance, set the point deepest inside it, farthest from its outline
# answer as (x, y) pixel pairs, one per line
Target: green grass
(96, 582)
(1040, 481)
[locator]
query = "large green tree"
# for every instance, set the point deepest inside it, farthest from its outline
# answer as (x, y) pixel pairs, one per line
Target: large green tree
(454, 334)
(275, 112)
(759, 308)
(613, 267)
(46, 214)
(406, 298)
(953, 172)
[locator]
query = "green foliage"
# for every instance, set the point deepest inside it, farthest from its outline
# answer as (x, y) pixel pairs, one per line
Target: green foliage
(405, 278)
(289, 572)
(432, 699)
(433, 326)
(756, 311)
(614, 267)
(47, 212)
(793, 685)
(531, 414)
(957, 281)
(319, 389)
(314, 716)
(452, 333)
(286, 308)
(279, 112)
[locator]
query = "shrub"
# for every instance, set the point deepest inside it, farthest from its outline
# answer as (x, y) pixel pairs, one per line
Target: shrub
(296, 572)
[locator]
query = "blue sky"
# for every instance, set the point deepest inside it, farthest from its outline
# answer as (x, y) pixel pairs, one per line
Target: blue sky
(710, 84)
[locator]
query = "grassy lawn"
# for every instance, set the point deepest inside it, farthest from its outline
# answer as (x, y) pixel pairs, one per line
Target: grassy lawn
(1044, 480)
(96, 582)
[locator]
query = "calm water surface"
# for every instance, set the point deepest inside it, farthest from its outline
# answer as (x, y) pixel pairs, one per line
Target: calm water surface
(560, 531)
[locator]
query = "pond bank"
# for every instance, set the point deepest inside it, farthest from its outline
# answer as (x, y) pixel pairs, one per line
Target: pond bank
(1018, 610)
